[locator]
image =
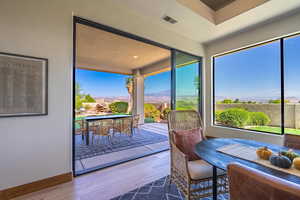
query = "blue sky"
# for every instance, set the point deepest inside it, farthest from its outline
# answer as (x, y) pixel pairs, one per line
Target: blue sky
(292, 66)
(255, 72)
(251, 73)
(185, 80)
(103, 84)
(158, 83)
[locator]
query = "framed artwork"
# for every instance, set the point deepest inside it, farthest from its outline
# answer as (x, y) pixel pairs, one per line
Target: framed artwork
(23, 85)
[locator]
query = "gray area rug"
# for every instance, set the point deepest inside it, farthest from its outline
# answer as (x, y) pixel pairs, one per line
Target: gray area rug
(159, 190)
(120, 142)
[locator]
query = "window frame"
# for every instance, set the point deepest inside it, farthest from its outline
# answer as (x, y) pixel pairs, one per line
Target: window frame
(282, 81)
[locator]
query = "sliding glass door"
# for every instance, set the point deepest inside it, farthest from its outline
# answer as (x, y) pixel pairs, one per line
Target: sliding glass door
(186, 82)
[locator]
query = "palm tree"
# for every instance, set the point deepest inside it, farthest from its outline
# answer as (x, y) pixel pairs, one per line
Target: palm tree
(129, 86)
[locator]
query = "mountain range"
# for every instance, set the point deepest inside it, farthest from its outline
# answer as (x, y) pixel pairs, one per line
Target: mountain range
(292, 99)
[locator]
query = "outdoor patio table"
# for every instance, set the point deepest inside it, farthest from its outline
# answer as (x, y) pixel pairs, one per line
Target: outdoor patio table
(102, 117)
(207, 150)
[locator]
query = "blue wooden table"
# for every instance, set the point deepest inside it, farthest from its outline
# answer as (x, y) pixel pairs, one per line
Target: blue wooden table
(207, 150)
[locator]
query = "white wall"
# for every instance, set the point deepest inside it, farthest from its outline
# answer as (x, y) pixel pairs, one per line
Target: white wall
(33, 148)
(279, 27)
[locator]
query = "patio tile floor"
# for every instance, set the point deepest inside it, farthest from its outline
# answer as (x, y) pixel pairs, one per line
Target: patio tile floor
(153, 137)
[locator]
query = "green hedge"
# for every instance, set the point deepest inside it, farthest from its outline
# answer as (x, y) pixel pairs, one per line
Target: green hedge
(149, 120)
(165, 113)
(234, 117)
(258, 119)
(239, 117)
(118, 107)
(151, 111)
(217, 114)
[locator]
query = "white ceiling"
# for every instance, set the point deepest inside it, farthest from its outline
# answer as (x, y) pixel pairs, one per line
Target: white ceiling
(197, 28)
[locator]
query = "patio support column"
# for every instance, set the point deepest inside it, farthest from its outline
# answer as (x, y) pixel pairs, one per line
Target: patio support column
(138, 96)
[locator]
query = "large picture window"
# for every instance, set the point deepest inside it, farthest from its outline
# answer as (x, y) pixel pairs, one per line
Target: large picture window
(256, 88)
(291, 49)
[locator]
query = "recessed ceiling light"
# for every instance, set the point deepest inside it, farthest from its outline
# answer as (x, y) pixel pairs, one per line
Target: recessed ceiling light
(135, 57)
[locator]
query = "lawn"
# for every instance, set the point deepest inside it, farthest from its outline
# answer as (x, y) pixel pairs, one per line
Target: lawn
(276, 130)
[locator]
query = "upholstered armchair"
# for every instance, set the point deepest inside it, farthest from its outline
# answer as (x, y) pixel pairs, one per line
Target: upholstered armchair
(191, 175)
(292, 141)
(246, 183)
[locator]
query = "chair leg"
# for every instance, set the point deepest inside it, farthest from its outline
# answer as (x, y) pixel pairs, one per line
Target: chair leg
(189, 192)
(108, 140)
(170, 182)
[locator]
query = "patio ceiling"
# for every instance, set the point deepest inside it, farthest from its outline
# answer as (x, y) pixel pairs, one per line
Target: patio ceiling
(103, 51)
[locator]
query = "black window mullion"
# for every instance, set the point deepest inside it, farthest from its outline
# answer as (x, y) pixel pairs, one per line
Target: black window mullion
(213, 92)
(200, 89)
(173, 79)
(282, 83)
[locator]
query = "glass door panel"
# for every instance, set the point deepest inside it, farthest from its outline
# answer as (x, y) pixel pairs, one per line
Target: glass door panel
(187, 75)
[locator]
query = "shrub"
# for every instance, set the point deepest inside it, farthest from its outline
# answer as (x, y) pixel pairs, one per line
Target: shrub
(165, 113)
(87, 106)
(258, 119)
(227, 101)
(151, 111)
(278, 101)
(149, 120)
(217, 115)
(118, 107)
(234, 117)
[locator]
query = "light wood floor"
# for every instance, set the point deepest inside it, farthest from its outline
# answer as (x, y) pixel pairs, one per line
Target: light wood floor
(108, 183)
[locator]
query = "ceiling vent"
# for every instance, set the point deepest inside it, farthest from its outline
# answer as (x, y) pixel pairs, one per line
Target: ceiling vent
(169, 19)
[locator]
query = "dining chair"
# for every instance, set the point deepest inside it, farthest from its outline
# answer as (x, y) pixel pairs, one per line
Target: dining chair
(135, 123)
(247, 183)
(80, 128)
(102, 129)
(191, 175)
(292, 141)
(123, 126)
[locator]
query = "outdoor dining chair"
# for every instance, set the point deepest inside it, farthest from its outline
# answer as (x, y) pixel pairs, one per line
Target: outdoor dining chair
(123, 126)
(103, 129)
(135, 123)
(80, 128)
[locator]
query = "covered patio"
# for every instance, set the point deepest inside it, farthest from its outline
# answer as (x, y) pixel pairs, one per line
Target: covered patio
(137, 61)
(151, 138)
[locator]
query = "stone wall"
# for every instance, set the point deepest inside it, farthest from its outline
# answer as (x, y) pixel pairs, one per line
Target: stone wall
(292, 112)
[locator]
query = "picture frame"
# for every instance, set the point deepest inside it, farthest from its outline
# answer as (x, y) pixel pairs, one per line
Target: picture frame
(23, 85)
